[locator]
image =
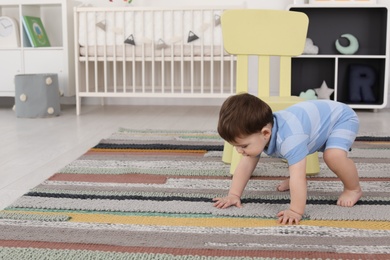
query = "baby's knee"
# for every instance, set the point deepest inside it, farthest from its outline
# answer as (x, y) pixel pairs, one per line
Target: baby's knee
(334, 154)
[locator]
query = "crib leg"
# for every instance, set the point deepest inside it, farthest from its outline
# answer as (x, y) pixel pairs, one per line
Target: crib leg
(102, 101)
(78, 104)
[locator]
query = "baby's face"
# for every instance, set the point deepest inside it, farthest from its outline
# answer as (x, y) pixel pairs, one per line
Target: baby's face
(251, 145)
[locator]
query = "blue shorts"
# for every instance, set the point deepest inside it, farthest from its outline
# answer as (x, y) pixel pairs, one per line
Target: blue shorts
(343, 134)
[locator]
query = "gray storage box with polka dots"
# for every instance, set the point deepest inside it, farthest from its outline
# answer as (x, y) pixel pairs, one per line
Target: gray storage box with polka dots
(37, 95)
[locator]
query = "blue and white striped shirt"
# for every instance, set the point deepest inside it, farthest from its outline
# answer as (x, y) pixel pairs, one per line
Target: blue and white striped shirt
(311, 126)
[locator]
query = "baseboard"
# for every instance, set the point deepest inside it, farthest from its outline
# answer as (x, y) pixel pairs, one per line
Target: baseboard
(7, 102)
(155, 101)
(10, 101)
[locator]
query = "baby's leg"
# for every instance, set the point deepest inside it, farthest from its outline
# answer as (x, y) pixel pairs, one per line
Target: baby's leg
(284, 185)
(345, 169)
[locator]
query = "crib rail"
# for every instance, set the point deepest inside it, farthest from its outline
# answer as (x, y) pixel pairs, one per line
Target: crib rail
(147, 52)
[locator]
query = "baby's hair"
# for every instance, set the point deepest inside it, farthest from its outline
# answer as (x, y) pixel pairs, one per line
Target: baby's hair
(242, 115)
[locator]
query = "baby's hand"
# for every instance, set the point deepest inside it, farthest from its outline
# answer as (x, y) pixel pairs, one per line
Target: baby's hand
(289, 217)
(225, 202)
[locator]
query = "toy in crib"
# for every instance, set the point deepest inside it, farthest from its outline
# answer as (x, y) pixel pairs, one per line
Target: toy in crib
(128, 1)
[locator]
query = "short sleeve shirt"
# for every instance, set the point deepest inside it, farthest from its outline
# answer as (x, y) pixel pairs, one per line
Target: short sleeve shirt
(311, 126)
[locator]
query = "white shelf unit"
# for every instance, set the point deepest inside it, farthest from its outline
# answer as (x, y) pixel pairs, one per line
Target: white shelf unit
(369, 24)
(23, 59)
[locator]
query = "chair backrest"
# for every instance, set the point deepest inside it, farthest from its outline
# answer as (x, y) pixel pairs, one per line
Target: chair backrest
(264, 33)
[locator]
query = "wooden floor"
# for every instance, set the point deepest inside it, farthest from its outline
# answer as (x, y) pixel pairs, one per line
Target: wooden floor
(34, 149)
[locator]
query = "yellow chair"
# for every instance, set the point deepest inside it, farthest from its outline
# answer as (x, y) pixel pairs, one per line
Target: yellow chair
(265, 33)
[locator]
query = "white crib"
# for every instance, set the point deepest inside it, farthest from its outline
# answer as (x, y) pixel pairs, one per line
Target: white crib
(151, 52)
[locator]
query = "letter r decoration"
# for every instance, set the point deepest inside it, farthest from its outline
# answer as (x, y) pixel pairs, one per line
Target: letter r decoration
(362, 79)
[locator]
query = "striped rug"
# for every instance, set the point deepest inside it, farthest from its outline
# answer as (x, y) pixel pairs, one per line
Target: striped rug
(148, 195)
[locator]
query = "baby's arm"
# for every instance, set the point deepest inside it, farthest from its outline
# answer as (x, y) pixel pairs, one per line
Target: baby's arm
(241, 177)
(298, 193)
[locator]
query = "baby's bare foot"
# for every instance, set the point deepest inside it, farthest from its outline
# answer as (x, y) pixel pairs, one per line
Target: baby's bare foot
(284, 185)
(349, 198)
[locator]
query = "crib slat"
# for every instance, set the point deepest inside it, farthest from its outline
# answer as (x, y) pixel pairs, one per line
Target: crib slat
(192, 56)
(182, 58)
(124, 74)
(202, 56)
(134, 74)
(152, 28)
(162, 78)
(95, 57)
(143, 53)
(172, 56)
(105, 58)
(86, 62)
(77, 64)
(114, 62)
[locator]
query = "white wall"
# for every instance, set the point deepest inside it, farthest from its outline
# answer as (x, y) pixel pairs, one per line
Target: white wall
(262, 4)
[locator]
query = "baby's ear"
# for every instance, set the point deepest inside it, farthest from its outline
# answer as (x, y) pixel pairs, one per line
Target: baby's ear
(266, 131)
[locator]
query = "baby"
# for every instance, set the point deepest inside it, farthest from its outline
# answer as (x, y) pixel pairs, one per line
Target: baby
(248, 123)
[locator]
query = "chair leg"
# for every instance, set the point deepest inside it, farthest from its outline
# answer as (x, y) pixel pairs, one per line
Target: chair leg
(312, 164)
(227, 153)
(231, 156)
(236, 157)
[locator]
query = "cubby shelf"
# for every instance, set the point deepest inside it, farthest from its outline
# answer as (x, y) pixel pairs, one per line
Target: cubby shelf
(369, 24)
(24, 59)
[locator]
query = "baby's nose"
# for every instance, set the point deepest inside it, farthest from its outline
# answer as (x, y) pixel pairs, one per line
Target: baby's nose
(239, 150)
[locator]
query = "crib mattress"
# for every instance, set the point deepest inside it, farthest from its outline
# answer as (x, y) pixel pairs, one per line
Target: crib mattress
(148, 50)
